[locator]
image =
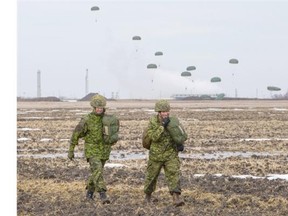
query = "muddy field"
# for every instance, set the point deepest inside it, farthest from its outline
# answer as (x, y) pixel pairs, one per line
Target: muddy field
(235, 161)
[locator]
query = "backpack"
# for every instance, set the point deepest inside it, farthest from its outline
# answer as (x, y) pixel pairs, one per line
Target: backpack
(146, 141)
(110, 129)
(176, 131)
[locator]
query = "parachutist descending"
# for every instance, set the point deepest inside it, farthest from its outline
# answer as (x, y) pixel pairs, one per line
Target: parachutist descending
(95, 8)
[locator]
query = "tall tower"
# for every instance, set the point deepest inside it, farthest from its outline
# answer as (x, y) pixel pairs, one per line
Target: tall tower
(38, 83)
(86, 83)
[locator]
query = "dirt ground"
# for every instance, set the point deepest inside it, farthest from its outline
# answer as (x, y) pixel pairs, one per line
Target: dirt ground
(231, 138)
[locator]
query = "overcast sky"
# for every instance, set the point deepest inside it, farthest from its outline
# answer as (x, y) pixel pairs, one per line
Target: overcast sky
(65, 39)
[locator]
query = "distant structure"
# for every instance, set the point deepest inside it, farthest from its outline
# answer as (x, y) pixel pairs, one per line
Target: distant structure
(115, 95)
(86, 83)
(38, 83)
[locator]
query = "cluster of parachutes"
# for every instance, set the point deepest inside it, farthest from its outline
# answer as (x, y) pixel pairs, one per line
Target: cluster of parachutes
(189, 69)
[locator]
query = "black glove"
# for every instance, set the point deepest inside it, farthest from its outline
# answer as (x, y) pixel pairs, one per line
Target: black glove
(180, 147)
(165, 122)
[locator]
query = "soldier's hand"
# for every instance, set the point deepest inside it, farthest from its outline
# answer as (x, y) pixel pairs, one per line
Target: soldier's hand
(165, 122)
(71, 155)
(180, 147)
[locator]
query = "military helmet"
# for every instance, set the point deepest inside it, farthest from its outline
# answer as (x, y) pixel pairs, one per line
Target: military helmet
(162, 106)
(98, 101)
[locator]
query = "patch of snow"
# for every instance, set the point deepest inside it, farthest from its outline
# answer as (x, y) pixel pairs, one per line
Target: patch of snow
(23, 139)
(112, 165)
(45, 140)
(28, 129)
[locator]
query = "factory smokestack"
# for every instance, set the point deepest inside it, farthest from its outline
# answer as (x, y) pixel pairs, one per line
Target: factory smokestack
(39, 83)
(86, 83)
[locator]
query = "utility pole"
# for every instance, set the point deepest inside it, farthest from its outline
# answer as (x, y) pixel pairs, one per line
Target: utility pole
(86, 83)
(38, 83)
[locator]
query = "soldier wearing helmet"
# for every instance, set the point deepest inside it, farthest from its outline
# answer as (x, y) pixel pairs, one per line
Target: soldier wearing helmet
(99, 135)
(167, 137)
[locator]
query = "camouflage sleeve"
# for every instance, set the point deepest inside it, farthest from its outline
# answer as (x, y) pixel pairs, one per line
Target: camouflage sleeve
(79, 132)
(155, 129)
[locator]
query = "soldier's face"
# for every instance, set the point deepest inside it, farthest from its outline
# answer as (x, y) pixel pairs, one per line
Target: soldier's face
(164, 114)
(99, 110)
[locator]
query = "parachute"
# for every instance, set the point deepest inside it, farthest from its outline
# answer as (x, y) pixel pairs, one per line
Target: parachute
(189, 68)
(273, 88)
(233, 61)
(215, 79)
(136, 38)
(95, 8)
(151, 66)
(159, 53)
(186, 74)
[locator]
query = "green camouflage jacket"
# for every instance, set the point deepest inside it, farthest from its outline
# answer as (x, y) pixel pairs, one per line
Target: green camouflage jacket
(90, 128)
(162, 146)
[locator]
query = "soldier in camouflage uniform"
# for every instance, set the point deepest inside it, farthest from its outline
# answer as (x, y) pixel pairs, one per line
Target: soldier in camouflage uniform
(97, 150)
(163, 152)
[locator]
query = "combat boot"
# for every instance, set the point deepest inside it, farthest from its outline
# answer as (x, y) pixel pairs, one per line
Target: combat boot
(104, 198)
(148, 198)
(177, 201)
(89, 195)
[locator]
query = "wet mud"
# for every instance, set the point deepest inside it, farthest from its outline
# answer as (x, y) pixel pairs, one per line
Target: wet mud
(226, 139)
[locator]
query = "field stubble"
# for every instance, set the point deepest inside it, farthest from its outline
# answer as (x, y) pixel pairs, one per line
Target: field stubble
(257, 130)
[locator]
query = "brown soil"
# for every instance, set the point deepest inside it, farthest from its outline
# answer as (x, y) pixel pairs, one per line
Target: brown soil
(56, 185)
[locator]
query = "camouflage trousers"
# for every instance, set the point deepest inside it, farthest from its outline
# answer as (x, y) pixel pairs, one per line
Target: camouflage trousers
(96, 181)
(171, 171)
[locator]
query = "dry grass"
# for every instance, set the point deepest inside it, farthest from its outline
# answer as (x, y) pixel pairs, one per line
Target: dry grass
(56, 186)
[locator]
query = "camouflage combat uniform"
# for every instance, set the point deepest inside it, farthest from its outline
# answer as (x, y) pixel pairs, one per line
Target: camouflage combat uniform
(96, 151)
(162, 153)
(100, 132)
(167, 137)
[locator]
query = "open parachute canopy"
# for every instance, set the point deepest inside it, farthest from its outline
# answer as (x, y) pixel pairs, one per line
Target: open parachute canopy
(151, 66)
(233, 61)
(159, 53)
(215, 79)
(94, 8)
(186, 74)
(273, 88)
(136, 38)
(189, 68)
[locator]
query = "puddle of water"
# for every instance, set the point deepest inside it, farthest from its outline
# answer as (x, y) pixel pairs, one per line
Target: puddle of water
(223, 155)
(124, 155)
(115, 155)
(45, 118)
(263, 139)
(279, 109)
(121, 156)
(36, 149)
(269, 177)
(34, 111)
